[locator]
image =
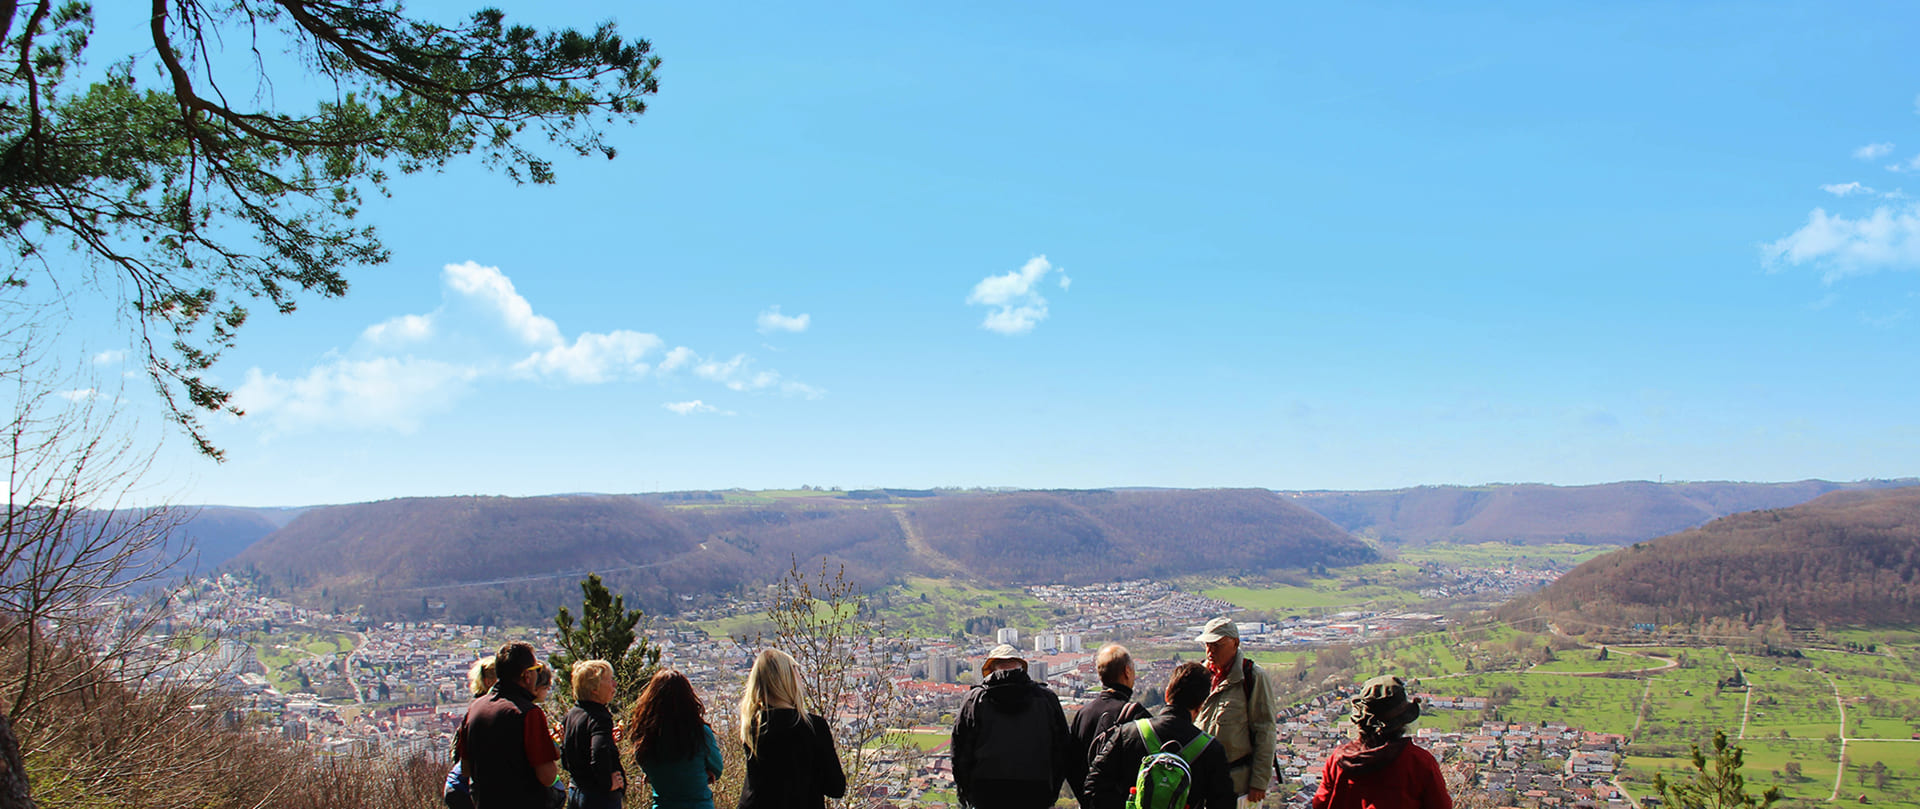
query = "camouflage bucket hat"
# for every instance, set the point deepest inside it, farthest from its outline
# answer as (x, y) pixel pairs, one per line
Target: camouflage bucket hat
(1383, 702)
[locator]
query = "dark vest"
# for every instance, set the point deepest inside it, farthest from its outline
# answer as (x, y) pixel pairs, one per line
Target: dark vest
(495, 757)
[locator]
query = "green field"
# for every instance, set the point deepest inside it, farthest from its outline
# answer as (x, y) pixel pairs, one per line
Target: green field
(754, 625)
(940, 607)
(1501, 554)
(1590, 703)
(1376, 586)
(1587, 661)
(279, 651)
(926, 607)
(924, 740)
(1791, 716)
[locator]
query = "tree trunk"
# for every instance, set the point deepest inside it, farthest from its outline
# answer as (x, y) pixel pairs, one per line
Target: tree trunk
(14, 793)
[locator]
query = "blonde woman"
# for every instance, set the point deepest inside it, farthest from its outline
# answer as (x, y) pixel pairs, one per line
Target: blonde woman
(587, 751)
(457, 794)
(791, 760)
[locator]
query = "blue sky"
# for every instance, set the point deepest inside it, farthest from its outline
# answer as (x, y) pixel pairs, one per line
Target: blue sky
(1352, 246)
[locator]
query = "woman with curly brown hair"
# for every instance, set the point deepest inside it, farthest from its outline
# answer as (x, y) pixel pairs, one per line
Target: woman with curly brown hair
(673, 744)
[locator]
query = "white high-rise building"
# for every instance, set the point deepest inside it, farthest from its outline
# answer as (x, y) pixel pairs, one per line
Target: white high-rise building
(1046, 642)
(1070, 642)
(1007, 635)
(940, 668)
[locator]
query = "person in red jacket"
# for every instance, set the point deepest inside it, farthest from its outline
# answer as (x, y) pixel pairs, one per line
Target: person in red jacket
(1383, 769)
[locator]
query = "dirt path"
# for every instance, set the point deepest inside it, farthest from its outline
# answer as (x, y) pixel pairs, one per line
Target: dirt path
(1641, 715)
(1841, 772)
(918, 544)
(1747, 708)
(1669, 663)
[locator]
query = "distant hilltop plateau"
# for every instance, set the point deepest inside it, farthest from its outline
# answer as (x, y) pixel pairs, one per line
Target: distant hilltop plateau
(511, 559)
(1847, 558)
(515, 558)
(1536, 514)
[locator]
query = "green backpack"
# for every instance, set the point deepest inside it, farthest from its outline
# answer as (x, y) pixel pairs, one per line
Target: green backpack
(1166, 774)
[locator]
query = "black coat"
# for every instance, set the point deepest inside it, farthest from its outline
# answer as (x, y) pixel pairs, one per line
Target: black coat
(492, 746)
(1116, 764)
(793, 764)
(1094, 718)
(587, 750)
(1010, 744)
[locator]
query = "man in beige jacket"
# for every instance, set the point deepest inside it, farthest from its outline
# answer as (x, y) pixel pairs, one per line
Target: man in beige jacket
(1239, 711)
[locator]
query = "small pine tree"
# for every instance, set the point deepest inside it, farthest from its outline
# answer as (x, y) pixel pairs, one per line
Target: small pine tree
(605, 632)
(1723, 788)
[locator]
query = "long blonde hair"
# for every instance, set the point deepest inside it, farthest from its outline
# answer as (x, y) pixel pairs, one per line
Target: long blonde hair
(773, 683)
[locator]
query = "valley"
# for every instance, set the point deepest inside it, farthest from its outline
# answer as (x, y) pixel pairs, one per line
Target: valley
(1520, 700)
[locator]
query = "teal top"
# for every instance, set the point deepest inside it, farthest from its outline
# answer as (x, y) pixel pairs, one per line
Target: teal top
(682, 783)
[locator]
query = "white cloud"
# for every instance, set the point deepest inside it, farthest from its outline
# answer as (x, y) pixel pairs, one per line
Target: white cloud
(384, 392)
(675, 359)
(1065, 282)
(1847, 189)
(595, 358)
(738, 374)
(79, 395)
(109, 357)
(688, 408)
(1016, 319)
(402, 329)
(1017, 305)
(1873, 151)
(718, 371)
(772, 321)
(1885, 240)
(408, 367)
(490, 286)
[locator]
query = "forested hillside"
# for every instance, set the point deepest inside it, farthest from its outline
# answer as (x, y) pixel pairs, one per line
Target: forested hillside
(1606, 514)
(1083, 536)
(477, 558)
(1845, 558)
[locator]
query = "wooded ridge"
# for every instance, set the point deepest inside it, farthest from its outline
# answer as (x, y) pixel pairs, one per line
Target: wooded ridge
(499, 558)
(1530, 513)
(1847, 558)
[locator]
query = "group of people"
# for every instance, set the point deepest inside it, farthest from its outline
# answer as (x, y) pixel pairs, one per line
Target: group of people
(506, 757)
(1012, 745)
(1013, 748)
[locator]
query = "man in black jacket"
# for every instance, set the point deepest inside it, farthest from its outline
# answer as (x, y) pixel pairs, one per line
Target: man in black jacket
(587, 750)
(1115, 765)
(1010, 742)
(1114, 705)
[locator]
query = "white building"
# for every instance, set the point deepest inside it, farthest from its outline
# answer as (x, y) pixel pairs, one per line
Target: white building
(1008, 635)
(1046, 642)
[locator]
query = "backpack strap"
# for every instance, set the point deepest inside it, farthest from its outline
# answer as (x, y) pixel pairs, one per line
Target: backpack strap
(1147, 735)
(1246, 680)
(1191, 752)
